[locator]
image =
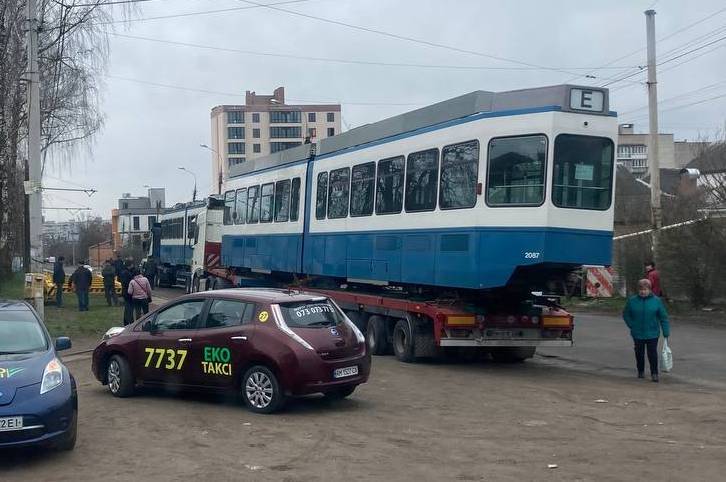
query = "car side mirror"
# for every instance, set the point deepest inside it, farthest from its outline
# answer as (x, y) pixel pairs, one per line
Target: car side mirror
(62, 343)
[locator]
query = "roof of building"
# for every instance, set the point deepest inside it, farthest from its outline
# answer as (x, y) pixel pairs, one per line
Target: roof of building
(556, 97)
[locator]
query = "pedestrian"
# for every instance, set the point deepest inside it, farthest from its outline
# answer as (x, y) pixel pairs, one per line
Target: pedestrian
(150, 271)
(59, 279)
(80, 280)
(125, 276)
(653, 276)
(140, 291)
(109, 283)
(118, 264)
(646, 316)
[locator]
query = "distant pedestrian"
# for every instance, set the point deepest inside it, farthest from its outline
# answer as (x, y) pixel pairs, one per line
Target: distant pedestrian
(125, 277)
(653, 276)
(140, 291)
(646, 316)
(59, 279)
(150, 269)
(81, 282)
(109, 283)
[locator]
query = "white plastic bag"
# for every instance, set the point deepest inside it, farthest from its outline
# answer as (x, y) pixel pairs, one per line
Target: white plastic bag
(666, 356)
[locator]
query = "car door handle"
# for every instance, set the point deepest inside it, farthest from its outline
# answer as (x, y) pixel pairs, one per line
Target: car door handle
(184, 340)
(238, 338)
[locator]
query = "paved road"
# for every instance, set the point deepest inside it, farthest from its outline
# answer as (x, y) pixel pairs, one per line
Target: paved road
(603, 344)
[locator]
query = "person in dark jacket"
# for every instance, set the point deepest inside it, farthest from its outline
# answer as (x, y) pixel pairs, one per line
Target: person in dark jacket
(81, 281)
(109, 283)
(646, 316)
(59, 279)
(125, 276)
(150, 271)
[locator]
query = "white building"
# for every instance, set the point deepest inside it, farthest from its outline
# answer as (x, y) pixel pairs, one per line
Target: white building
(135, 216)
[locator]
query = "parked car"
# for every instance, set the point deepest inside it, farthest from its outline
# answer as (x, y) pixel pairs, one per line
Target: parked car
(38, 399)
(267, 344)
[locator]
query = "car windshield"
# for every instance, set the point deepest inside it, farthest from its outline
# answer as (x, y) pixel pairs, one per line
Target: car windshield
(310, 314)
(20, 332)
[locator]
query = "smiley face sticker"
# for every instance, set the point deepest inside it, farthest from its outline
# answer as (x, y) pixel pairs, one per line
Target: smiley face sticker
(263, 316)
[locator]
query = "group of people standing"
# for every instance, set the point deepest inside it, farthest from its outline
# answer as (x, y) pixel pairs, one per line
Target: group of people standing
(135, 286)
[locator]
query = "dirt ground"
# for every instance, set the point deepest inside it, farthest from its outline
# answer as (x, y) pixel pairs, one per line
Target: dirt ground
(430, 421)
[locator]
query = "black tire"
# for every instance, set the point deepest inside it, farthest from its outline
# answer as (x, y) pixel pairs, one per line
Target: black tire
(69, 442)
(261, 391)
(403, 342)
(513, 354)
(119, 377)
(339, 393)
(376, 335)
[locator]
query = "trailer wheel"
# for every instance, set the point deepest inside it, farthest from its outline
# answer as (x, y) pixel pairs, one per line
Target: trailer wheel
(403, 342)
(376, 335)
(513, 354)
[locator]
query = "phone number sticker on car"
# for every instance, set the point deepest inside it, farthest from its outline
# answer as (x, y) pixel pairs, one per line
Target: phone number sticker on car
(173, 359)
(312, 310)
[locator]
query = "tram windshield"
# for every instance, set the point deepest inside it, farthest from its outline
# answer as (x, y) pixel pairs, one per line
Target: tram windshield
(583, 172)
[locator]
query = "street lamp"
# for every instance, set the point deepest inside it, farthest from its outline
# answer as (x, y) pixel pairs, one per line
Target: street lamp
(219, 162)
(194, 193)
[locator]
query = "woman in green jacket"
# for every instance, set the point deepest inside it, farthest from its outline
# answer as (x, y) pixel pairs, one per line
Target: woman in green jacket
(646, 316)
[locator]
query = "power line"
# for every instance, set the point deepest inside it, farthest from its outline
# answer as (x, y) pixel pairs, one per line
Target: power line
(690, 104)
(680, 96)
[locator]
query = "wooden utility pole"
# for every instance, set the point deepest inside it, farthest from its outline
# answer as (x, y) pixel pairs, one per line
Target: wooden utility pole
(653, 160)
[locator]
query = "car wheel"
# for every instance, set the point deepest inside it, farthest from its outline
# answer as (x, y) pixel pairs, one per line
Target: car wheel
(261, 391)
(403, 342)
(340, 393)
(376, 335)
(69, 442)
(119, 377)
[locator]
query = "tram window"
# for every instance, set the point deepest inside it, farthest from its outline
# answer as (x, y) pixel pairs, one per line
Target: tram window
(516, 174)
(253, 204)
(228, 207)
(389, 188)
(240, 206)
(282, 201)
(191, 226)
(338, 193)
(268, 192)
(459, 175)
(362, 186)
(422, 170)
(321, 200)
(295, 200)
(583, 172)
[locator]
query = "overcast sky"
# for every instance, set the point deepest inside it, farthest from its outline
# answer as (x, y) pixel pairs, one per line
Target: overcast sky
(152, 130)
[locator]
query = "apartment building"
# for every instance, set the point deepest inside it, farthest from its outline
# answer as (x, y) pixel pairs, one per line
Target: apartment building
(135, 216)
(264, 125)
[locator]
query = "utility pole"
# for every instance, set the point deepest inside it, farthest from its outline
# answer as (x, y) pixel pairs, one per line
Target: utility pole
(33, 186)
(653, 161)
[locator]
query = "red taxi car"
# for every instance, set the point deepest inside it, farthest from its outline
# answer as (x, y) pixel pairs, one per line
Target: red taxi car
(268, 344)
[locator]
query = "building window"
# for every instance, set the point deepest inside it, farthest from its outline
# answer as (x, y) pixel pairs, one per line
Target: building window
(268, 192)
(256, 117)
(295, 199)
(253, 204)
(137, 223)
(459, 175)
(331, 117)
(312, 132)
(583, 172)
(256, 148)
(240, 206)
(321, 198)
(124, 205)
(235, 132)
(331, 131)
(285, 117)
(256, 133)
(422, 172)
(389, 186)
(233, 161)
(311, 116)
(236, 148)
(282, 201)
(516, 171)
(285, 132)
(338, 193)
(362, 188)
(281, 146)
(235, 117)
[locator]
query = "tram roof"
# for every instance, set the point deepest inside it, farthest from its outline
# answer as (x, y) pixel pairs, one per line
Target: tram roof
(555, 97)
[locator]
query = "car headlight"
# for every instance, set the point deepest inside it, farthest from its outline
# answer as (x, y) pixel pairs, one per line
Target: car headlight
(113, 331)
(52, 376)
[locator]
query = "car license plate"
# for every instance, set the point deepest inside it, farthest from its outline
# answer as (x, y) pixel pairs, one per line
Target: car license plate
(11, 423)
(345, 372)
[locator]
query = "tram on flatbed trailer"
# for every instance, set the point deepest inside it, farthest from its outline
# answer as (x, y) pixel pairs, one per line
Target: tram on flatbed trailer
(433, 228)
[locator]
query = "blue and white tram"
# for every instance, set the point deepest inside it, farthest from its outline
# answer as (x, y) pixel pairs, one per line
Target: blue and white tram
(482, 191)
(176, 232)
